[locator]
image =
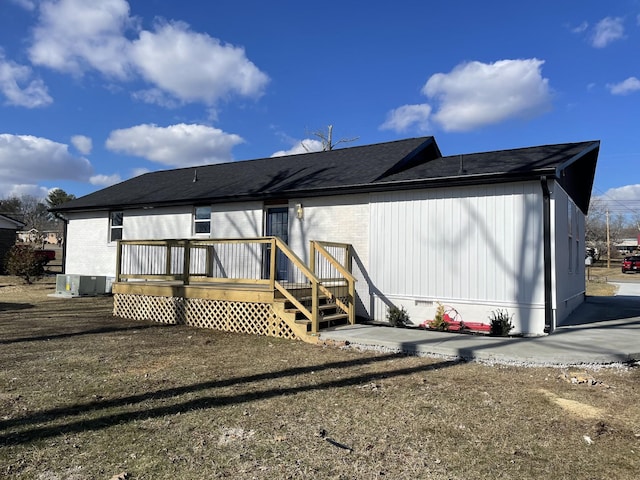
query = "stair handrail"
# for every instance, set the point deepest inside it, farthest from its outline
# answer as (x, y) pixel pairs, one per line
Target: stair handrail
(316, 285)
(318, 246)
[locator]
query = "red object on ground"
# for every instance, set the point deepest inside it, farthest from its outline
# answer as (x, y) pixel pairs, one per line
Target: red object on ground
(45, 255)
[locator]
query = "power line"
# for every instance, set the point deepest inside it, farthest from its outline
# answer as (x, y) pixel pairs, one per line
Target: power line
(630, 206)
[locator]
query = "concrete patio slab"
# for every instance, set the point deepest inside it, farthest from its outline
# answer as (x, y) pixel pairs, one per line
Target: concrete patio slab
(603, 330)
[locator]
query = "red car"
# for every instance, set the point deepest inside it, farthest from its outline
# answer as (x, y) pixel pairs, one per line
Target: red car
(631, 264)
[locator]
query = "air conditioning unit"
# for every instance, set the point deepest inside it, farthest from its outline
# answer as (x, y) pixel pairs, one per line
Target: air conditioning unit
(79, 285)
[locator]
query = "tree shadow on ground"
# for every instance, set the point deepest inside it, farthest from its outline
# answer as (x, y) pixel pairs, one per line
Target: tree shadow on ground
(204, 402)
(9, 306)
(94, 331)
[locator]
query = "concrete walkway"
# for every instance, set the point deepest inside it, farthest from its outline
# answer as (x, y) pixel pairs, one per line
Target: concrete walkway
(603, 330)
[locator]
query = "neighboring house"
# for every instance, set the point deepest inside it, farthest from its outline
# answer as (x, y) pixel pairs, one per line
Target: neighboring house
(627, 246)
(478, 232)
(51, 237)
(8, 235)
(29, 236)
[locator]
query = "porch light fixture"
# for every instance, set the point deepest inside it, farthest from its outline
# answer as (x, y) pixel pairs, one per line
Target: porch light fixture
(299, 211)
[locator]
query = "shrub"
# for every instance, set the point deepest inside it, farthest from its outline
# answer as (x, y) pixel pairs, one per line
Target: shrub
(439, 323)
(23, 262)
(397, 317)
(500, 323)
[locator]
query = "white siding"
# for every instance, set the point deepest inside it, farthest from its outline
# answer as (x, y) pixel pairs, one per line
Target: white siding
(88, 249)
(569, 270)
(237, 220)
(343, 219)
(158, 223)
(475, 248)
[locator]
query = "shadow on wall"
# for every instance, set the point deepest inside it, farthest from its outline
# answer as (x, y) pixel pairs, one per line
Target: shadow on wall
(374, 292)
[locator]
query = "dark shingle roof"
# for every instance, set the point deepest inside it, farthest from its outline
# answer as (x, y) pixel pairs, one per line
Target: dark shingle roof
(385, 166)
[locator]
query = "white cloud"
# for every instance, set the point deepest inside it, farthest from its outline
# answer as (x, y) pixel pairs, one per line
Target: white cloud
(621, 194)
(475, 94)
(194, 66)
(580, 28)
(606, 31)
(82, 143)
(157, 97)
(28, 159)
(175, 145)
(136, 172)
(18, 86)
(76, 36)
(105, 180)
(20, 190)
(26, 4)
(407, 116)
(303, 146)
(625, 87)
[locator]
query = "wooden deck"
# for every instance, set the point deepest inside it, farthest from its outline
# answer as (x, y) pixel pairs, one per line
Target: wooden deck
(221, 284)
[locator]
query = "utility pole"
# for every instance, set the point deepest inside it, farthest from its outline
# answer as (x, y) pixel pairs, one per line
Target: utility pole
(608, 241)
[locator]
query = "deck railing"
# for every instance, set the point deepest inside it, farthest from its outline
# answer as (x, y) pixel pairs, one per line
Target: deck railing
(264, 261)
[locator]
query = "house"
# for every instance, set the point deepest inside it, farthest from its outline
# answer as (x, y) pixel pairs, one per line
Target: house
(8, 235)
(29, 236)
(477, 232)
(627, 245)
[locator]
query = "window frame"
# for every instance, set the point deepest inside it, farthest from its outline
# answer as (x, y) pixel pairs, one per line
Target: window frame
(116, 227)
(202, 220)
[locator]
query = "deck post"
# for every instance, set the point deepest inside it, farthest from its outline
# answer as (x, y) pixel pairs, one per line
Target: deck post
(272, 264)
(167, 259)
(187, 262)
(348, 260)
(118, 260)
(352, 302)
(315, 320)
(312, 256)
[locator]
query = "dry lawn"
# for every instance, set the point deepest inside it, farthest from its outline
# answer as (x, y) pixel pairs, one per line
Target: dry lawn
(84, 395)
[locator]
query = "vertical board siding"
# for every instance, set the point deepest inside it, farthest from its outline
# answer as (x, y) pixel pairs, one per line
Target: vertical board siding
(479, 243)
(569, 270)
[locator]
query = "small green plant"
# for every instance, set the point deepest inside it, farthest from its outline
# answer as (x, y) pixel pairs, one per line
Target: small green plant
(500, 321)
(23, 262)
(397, 317)
(439, 323)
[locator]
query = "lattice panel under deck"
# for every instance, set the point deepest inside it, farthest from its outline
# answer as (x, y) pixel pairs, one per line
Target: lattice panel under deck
(242, 317)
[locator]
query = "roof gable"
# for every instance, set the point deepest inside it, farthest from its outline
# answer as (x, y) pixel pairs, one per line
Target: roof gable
(9, 223)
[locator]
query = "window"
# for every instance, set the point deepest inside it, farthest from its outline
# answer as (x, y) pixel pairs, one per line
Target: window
(202, 220)
(115, 226)
(573, 230)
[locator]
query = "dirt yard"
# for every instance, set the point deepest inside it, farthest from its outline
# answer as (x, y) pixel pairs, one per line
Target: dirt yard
(84, 395)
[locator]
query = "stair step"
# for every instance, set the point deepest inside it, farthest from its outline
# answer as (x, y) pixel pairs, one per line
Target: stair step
(335, 316)
(307, 298)
(326, 306)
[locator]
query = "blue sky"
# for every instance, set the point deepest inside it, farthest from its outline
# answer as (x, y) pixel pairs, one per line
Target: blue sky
(95, 92)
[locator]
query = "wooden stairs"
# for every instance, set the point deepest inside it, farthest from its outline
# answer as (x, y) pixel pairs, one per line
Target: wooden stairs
(330, 313)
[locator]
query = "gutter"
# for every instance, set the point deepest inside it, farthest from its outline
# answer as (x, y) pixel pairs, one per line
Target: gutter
(546, 234)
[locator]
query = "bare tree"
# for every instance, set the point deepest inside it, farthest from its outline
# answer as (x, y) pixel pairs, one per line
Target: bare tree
(596, 226)
(326, 139)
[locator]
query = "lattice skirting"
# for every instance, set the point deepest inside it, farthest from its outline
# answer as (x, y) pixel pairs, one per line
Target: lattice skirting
(242, 317)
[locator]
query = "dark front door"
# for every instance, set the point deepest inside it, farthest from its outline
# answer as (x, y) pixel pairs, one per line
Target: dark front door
(277, 225)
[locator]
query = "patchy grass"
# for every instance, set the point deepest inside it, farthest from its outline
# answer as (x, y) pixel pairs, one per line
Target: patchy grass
(85, 395)
(597, 278)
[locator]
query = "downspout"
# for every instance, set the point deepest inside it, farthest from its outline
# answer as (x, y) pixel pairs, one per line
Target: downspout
(546, 234)
(65, 222)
